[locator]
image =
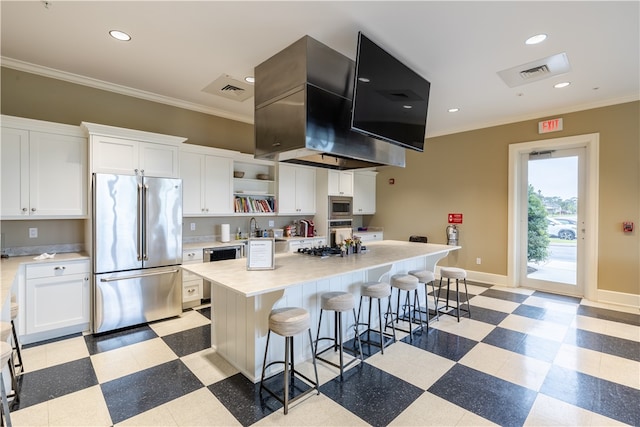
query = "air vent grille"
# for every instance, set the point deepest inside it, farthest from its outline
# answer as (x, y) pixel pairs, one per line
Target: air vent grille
(534, 72)
(230, 88)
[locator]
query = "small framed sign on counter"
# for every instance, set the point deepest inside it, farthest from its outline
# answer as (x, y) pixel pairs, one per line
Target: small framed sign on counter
(261, 253)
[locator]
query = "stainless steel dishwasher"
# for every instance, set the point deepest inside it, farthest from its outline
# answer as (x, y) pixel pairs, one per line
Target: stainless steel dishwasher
(219, 253)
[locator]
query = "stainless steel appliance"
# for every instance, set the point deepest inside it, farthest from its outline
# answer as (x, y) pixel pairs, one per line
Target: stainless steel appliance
(340, 207)
(220, 253)
(137, 250)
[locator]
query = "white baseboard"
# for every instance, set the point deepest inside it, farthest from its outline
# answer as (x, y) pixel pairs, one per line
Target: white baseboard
(480, 277)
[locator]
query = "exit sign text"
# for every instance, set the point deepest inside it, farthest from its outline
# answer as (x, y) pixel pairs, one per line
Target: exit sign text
(553, 125)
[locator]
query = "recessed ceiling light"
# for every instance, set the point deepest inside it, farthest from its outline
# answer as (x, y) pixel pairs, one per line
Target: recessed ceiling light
(250, 79)
(120, 35)
(538, 38)
(453, 110)
(561, 85)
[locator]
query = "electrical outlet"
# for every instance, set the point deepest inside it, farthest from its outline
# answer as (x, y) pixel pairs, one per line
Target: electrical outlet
(271, 223)
(193, 226)
(33, 233)
(478, 261)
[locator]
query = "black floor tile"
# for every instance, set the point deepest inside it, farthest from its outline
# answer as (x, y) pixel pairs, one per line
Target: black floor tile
(500, 401)
(189, 341)
(559, 298)
(206, 312)
(116, 339)
(49, 383)
(243, 399)
(615, 316)
(540, 313)
(486, 315)
(503, 295)
(136, 393)
(594, 394)
(450, 346)
(527, 345)
(372, 394)
(604, 343)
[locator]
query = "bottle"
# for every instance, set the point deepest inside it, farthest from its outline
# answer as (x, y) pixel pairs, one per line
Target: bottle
(238, 234)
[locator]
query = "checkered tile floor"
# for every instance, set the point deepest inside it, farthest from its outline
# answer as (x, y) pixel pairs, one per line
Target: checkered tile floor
(524, 358)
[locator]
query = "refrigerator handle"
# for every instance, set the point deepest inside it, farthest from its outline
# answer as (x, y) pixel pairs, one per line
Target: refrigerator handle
(138, 276)
(145, 243)
(139, 223)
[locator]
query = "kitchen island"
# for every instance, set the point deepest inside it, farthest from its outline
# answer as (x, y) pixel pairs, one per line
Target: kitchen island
(242, 299)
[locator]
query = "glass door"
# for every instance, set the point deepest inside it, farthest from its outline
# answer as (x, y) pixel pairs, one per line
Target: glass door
(552, 186)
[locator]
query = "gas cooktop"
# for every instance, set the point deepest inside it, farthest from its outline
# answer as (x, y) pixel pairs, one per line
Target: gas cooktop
(322, 251)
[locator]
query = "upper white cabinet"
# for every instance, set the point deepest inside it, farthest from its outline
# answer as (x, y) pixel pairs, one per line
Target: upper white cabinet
(206, 181)
(364, 193)
(131, 152)
(254, 186)
(340, 183)
(296, 189)
(44, 170)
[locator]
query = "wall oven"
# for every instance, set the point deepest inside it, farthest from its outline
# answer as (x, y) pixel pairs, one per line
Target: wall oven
(340, 207)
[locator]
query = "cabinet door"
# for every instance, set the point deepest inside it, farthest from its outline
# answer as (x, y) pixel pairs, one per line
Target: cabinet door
(305, 181)
(340, 183)
(57, 302)
(192, 174)
(287, 189)
(58, 174)
(15, 173)
(159, 160)
(218, 185)
(114, 155)
(364, 194)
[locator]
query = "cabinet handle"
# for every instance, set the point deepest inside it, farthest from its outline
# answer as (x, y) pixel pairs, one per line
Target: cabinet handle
(60, 267)
(191, 290)
(33, 209)
(24, 209)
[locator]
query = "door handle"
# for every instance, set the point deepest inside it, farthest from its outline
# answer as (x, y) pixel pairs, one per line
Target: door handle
(137, 276)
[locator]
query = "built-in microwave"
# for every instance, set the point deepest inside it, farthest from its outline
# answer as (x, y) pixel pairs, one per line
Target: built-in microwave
(340, 207)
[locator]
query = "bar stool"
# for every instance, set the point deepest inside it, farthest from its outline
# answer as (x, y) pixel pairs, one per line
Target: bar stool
(338, 302)
(409, 284)
(16, 343)
(288, 322)
(5, 332)
(377, 290)
(458, 274)
(5, 354)
(426, 277)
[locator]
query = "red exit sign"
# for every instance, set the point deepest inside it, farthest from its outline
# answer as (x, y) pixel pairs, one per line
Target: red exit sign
(553, 125)
(455, 218)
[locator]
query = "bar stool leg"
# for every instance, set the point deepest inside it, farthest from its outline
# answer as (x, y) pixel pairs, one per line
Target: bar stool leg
(466, 292)
(457, 301)
(5, 403)
(16, 347)
(313, 360)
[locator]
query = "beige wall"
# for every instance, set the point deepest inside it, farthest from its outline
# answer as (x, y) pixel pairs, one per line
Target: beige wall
(468, 173)
(465, 172)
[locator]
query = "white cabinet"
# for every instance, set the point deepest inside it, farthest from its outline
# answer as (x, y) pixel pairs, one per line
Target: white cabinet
(364, 193)
(131, 152)
(57, 298)
(255, 191)
(206, 184)
(44, 170)
(296, 189)
(369, 236)
(192, 285)
(340, 183)
(310, 242)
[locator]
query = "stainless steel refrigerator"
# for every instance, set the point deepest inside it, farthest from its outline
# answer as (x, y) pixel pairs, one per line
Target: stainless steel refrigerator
(137, 250)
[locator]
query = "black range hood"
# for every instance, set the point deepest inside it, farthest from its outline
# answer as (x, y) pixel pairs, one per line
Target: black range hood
(303, 111)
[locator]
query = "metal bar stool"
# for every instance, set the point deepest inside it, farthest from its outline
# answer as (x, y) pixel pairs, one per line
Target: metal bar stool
(338, 302)
(6, 353)
(458, 274)
(287, 322)
(16, 343)
(377, 290)
(5, 332)
(409, 284)
(426, 277)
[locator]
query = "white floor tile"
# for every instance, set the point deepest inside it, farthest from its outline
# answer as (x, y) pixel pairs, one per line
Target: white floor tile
(547, 411)
(546, 303)
(209, 366)
(539, 328)
(494, 304)
(468, 328)
(608, 327)
(187, 320)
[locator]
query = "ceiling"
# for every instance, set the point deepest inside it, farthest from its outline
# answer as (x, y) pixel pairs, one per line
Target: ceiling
(178, 48)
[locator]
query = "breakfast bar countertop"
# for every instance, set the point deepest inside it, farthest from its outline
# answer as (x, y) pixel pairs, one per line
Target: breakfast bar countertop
(293, 268)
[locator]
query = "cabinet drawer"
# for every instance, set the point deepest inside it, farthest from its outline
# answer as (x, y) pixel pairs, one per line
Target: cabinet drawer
(55, 269)
(191, 255)
(188, 276)
(191, 291)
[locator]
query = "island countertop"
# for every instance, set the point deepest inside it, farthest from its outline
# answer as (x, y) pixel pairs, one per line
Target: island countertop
(293, 268)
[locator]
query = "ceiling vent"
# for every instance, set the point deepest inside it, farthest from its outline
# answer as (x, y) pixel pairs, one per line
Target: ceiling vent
(537, 70)
(230, 88)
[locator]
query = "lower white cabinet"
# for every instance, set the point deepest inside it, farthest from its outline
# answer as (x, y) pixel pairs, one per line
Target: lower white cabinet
(57, 298)
(192, 285)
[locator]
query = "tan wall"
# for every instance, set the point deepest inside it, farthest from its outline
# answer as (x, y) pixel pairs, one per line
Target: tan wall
(465, 172)
(468, 173)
